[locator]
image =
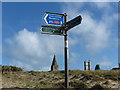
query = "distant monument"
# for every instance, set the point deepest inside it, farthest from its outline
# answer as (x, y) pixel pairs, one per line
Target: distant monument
(87, 65)
(54, 66)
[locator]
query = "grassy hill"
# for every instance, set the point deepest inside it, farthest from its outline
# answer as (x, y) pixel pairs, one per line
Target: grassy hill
(78, 79)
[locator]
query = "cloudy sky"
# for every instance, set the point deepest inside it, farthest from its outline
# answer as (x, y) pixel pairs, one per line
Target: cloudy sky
(95, 39)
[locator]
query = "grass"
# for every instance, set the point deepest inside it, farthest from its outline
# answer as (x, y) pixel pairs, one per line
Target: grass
(76, 84)
(55, 79)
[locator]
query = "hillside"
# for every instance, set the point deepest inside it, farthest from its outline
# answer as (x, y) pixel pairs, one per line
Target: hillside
(78, 79)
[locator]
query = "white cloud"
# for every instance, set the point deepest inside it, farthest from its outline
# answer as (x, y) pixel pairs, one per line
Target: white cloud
(102, 5)
(46, 68)
(25, 66)
(94, 34)
(74, 57)
(72, 42)
(105, 62)
(32, 50)
(73, 60)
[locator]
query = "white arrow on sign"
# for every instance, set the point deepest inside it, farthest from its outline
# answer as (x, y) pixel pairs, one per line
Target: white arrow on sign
(46, 19)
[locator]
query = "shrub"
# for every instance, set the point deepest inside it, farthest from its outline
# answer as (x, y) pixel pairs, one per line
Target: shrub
(97, 67)
(11, 68)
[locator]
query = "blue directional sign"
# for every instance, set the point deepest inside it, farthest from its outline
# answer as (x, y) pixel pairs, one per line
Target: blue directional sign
(54, 19)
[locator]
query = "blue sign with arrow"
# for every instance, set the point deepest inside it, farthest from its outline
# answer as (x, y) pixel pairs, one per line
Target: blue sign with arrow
(54, 19)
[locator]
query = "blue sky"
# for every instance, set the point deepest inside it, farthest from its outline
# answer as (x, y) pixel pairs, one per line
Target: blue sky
(95, 39)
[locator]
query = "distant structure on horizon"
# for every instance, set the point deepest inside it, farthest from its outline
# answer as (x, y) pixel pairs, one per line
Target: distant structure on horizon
(87, 65)
(54, 66)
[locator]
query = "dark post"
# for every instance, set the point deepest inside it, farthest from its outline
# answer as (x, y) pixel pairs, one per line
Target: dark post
(84, 65)
(66, 54)
(89, 65)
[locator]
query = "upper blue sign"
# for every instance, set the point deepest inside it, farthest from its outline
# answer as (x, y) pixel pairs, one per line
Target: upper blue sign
(54, 19)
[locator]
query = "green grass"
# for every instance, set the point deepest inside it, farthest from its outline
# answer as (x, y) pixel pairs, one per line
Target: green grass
(55, 79)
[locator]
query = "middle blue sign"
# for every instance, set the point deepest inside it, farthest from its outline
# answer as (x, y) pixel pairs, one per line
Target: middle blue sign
(54, 19)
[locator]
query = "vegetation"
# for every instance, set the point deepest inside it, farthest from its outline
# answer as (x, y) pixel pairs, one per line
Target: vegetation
(97, 67)
(77, 79)
(11, 68)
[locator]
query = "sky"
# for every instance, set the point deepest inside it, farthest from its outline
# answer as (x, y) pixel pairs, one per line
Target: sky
(95, 39)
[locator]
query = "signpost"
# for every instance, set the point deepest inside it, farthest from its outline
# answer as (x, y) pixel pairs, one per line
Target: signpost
(54, 19)
(57, 24)
(66, 54)
(51, 30)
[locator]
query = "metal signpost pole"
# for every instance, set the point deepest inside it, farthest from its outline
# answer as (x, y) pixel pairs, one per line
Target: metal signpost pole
(66, 54)
(54, 22)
